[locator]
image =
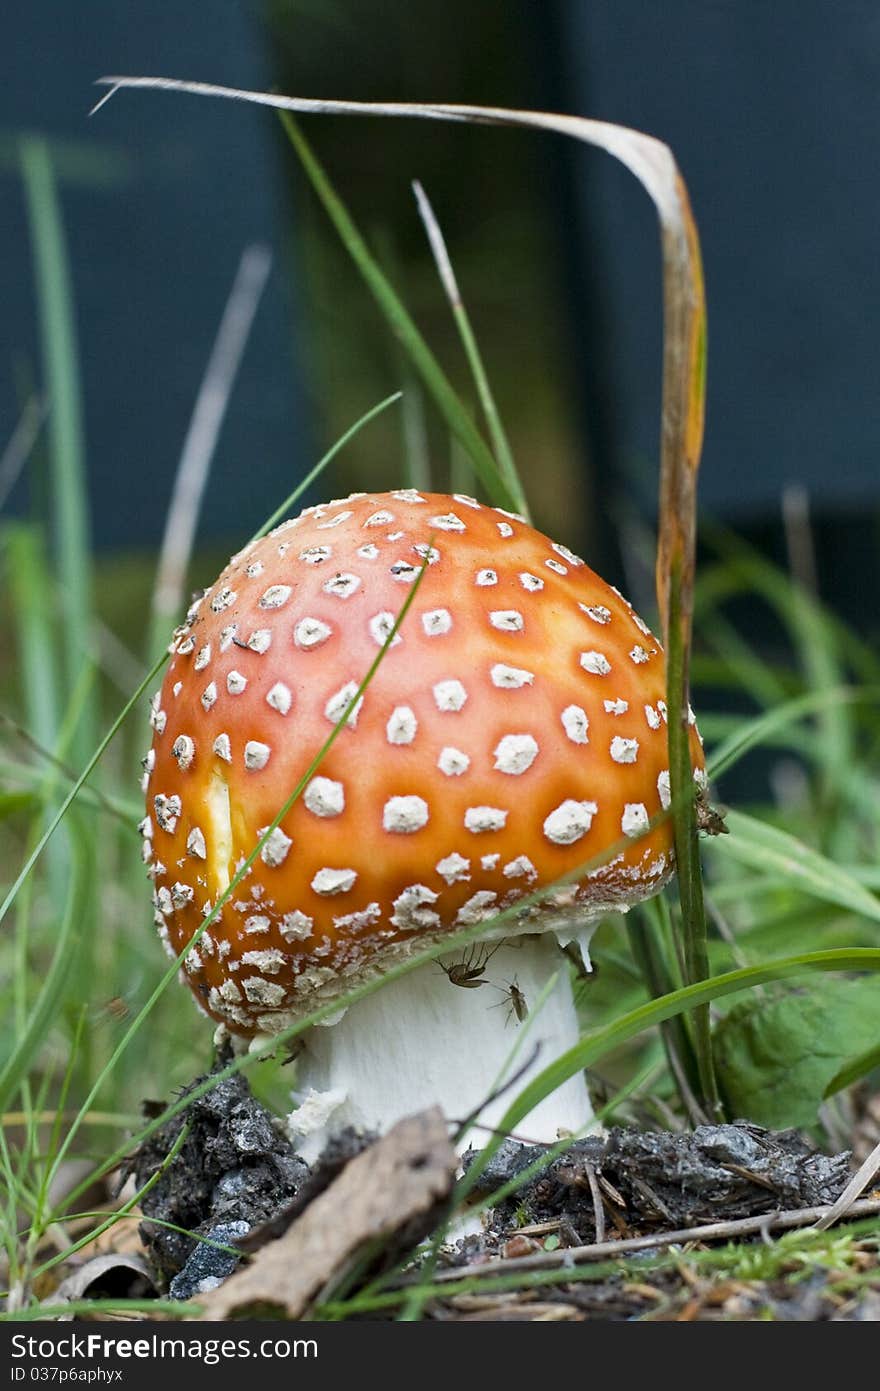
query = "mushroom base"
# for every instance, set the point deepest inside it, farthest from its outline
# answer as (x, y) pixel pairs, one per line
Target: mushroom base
(422, 1040)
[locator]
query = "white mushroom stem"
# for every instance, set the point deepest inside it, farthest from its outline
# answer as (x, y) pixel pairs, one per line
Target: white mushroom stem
(422, 1040)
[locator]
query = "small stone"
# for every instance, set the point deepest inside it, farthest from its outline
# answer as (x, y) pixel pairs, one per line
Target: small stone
(207, 1267)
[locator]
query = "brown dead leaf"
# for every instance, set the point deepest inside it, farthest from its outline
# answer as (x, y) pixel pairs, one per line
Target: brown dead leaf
(108, 1276)
(123, 1238)
(394, 1185)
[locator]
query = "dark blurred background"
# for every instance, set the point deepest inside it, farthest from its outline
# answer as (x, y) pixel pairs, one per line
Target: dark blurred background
(772, 112)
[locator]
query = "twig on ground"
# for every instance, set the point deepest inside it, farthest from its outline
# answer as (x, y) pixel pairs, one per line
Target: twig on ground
(598, 1206)
(712, 1231)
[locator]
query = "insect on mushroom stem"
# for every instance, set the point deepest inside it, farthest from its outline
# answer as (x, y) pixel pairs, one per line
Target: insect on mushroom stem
(517, 1005)
(470, 971)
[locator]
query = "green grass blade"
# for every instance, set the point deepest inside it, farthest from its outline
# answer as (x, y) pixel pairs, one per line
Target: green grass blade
(46, 1007)
(744, 668)
(746, 571)
(766, 848)
(815, 641)
(854, 1071)
(799, 1251)
(747, 735)
(419, 1294)
(32, 597)
(644, 930)
(113, 1218)
(89, 768)
(603, 1114)
(694, 932)
(497, 433)
(32, 610)
(17, 452)
(65, 423)
(400, 321)
(281, 512)
(11, 803)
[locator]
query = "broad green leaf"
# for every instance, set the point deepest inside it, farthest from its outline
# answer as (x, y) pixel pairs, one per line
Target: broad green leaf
(776, 1059)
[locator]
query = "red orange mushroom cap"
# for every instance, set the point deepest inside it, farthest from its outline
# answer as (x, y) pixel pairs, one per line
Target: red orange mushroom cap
(515, 730)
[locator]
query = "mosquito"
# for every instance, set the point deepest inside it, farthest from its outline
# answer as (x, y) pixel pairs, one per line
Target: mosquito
(516, 1001)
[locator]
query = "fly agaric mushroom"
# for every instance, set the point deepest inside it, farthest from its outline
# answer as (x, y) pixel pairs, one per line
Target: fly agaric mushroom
(514, 730)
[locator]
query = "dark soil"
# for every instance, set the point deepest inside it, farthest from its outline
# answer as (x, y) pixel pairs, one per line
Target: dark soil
(642, 1180)
(238, 1182)
(234, 1172)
